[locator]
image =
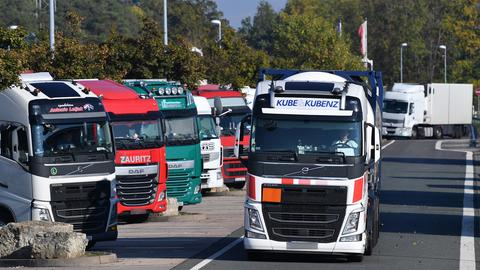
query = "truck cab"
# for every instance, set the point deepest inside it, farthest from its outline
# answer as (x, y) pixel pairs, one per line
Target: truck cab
(182, 137)
(403, 110)
(57, 157)
(141, 165)
(211, 146)
(314, 163)
(234, 108)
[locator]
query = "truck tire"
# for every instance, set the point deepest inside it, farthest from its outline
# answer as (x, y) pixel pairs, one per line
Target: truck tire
(238, 185)
(414, 133)
(90, 245)
(437, 133)
(5, 218)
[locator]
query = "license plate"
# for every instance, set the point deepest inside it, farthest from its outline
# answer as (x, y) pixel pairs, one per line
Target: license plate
(302, 245)
(138, 211)
(239, 179)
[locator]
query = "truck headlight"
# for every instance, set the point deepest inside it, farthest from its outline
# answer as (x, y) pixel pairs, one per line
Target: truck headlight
(254, 219)
(161, 197)
(196, 190)
(352, 223)
(219, 175)
(41, 214)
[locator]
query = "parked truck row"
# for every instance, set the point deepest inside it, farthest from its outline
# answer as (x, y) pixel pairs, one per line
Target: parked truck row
(89, 151)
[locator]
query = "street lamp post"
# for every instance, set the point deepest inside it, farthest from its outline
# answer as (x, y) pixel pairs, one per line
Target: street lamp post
(401, 61)
(165, 23)
(444, 48)
(219, 23)
(51, 7)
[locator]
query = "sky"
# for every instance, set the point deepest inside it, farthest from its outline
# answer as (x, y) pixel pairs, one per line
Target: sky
(236, 10)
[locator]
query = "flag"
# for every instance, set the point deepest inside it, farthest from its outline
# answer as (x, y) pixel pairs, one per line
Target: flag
(339, 27)
(362, 33)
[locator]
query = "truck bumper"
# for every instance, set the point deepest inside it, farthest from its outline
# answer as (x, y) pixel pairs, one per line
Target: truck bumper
(260, 240)
(212, 178)
(396, 132)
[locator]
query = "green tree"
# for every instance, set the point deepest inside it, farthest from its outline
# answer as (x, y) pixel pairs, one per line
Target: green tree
(310, 42)
(234, 62)
(259, 32)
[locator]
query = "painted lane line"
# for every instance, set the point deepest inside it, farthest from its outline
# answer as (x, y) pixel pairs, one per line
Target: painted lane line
(388, 144)
(217, 254)
(467, 239)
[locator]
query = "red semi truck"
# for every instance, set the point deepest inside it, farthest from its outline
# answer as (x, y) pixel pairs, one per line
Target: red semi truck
(234, 109)
(140, 160)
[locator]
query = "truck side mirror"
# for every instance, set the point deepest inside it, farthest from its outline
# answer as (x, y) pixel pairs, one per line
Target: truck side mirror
(218, 128)
(377, 147)
(239, 135)
(217, 106)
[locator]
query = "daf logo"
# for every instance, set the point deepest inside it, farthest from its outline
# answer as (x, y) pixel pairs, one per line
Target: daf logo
(136, 171)
(305, 170)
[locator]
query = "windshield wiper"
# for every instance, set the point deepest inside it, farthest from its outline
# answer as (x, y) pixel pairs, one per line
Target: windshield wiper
(327, 156)
(280, 154)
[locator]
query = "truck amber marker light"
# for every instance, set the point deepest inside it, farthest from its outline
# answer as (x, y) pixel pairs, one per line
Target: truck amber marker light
(272, 195)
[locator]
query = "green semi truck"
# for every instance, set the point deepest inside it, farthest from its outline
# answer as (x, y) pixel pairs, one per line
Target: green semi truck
(182, 137)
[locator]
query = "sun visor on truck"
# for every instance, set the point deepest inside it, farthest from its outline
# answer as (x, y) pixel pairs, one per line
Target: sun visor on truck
(66, 110)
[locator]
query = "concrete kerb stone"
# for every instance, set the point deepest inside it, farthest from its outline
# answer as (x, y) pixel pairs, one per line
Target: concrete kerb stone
(90, 259)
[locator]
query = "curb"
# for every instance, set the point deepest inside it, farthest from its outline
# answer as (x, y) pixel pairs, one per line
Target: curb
(89, 260)
(183, 216)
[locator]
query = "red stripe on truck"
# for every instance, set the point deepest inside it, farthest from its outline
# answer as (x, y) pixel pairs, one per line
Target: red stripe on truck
(287, 181)
(358, 190)
(251, 187)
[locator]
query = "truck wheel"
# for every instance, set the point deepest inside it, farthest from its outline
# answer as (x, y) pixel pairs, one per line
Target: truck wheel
(437, 133)
(90, 245)
(4, 219)
(355, 258)
(238, 185)
(414, 133)
(180, 208)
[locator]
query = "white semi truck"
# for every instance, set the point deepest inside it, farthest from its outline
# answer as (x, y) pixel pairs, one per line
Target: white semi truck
(57, 157)
(211, 147)
(432, 110)
(314, 163)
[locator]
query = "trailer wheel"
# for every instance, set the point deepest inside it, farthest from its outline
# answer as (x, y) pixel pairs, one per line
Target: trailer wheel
(437, 133)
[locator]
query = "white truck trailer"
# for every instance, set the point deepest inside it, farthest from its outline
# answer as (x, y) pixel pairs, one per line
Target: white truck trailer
(211, 147)
(433, 110)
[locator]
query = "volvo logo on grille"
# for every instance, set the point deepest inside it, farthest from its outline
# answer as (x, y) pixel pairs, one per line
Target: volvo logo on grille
(305, 170)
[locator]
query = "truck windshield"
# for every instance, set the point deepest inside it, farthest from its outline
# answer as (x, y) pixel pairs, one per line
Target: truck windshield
(229, 102)
(207, 127)
(138, 134)
(181, 130)
(229, 123)
(304, 137)
(59, 139)
(395, 106)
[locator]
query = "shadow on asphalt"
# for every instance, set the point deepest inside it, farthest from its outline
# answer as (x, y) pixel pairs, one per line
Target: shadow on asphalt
(455, 187)
(431, 178)
(423, 198)
(433, 161)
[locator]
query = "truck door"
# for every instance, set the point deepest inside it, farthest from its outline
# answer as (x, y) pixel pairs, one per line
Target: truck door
(15, 180)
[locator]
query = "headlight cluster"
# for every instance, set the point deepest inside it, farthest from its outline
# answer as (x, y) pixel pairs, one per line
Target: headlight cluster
(173, 90)
(254, 219)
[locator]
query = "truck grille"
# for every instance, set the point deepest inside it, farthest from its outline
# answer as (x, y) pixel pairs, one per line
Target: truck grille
(177, 184)
(137, 190)
(206, 157)
(234, 169)
(84, 205)
(307, 213)
(393, 121)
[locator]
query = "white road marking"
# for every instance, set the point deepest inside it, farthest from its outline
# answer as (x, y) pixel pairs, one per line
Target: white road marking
(217, 254)
(467, 239)
(388, 144)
